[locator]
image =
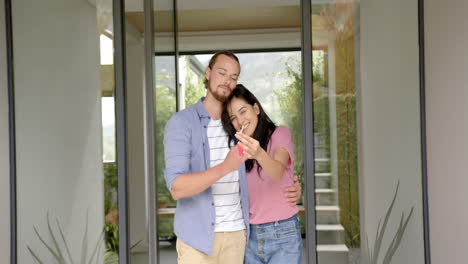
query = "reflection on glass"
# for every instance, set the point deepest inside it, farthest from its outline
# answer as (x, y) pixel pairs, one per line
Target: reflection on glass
(165, 107)
(165, 100)
(65, 197)
(136, 141)
(334, 93)
(107, 83)
(389, 172)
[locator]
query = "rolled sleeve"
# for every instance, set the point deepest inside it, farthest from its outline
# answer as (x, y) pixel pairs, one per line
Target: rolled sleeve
(177, 148)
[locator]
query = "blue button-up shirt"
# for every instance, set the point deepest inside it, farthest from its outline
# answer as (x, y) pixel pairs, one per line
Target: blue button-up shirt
(186, 150)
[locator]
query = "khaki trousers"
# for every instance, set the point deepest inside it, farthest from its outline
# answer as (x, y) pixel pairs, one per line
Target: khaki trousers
(228, 248)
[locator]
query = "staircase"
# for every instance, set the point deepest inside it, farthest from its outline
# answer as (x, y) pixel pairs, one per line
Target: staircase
(331, 248)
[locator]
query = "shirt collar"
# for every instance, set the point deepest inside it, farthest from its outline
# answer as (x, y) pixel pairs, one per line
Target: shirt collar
(201, 110)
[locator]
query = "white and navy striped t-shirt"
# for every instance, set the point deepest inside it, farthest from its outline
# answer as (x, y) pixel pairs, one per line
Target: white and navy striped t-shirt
(226, 191)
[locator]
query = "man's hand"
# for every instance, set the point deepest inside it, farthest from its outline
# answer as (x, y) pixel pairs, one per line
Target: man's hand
(293, 193)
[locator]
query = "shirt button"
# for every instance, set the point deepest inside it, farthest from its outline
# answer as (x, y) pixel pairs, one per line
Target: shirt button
(212, 203)
(212, 224)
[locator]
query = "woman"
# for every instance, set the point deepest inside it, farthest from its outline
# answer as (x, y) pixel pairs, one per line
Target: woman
(275, 236)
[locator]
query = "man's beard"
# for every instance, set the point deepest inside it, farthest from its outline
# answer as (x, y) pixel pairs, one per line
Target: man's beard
(221, 98)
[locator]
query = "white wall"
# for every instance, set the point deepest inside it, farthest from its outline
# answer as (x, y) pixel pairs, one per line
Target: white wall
(389, 122)
(58, 122)
(446, 40)
(4, 147)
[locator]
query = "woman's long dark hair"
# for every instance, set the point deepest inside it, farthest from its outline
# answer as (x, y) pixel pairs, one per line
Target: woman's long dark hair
(265, 126)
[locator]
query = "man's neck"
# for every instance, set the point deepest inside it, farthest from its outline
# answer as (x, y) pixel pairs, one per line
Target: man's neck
(213, 106)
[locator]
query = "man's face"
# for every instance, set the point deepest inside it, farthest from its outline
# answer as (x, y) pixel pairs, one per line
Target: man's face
(222, 77)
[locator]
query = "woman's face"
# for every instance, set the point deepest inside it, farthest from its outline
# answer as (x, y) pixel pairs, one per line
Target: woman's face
(242, 114)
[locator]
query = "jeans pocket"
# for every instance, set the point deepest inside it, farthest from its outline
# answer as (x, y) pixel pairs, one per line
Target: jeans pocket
(289, 245)
(287, 230)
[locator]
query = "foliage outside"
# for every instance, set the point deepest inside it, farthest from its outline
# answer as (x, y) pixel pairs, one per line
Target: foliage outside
(194, 86)
(165, 107)
(288, 99)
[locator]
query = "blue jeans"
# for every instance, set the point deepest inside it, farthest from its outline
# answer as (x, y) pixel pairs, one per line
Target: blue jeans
(275, 243)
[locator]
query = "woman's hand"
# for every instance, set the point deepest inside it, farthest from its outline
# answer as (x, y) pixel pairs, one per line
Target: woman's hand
(252, 148)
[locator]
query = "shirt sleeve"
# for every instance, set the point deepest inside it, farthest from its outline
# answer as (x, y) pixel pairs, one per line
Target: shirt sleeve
(281, 138)
(177, 148)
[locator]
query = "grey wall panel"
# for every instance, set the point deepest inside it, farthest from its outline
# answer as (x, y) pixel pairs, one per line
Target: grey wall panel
(4, 146)
(447, 126)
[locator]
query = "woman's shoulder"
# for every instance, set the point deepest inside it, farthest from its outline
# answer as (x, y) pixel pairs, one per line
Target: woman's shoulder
(281, 132)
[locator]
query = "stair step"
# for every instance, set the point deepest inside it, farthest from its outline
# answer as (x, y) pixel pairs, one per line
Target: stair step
(327, 208)
(325, 196)
(332, 248)
(332, 253)
(322, 164)
(321, 160)
(330, 234)
(323, 174)
(329, 228)
(323, 180)
(326, 214)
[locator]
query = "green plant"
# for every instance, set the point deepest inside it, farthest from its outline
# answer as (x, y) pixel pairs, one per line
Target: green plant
(110, 186)
(111, 234)
(372, 255)
(61, 253)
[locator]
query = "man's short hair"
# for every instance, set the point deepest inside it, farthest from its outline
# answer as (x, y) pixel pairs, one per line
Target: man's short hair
(228, 53)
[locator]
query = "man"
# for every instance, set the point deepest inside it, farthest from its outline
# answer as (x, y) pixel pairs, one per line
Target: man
(206, 177)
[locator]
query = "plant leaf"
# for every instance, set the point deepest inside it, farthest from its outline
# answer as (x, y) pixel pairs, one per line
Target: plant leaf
(372, 261)
(84, 244)
(368, 254)
(99, 255)
(34, 255)
(136, 244)
(398, 236)
(54, 241)
(46, 245)
(96, 248)
(111, 257)
(378, 242)
(64, 242)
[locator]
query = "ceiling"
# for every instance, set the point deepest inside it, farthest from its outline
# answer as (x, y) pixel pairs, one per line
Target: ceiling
(221, 19)
(224, 16)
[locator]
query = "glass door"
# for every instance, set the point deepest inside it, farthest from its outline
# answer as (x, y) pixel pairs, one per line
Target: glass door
(367, 138)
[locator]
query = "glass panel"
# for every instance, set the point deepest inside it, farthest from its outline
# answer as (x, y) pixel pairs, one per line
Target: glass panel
(5, 203)
(255, 26)
(350, 40)
(165, 100)
(334, 93)
(63, 65)
(136, 141)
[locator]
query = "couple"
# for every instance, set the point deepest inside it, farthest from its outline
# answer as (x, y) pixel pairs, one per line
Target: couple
(215, 182)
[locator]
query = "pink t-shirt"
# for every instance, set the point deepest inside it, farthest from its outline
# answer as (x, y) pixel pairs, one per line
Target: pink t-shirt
(266, 196)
